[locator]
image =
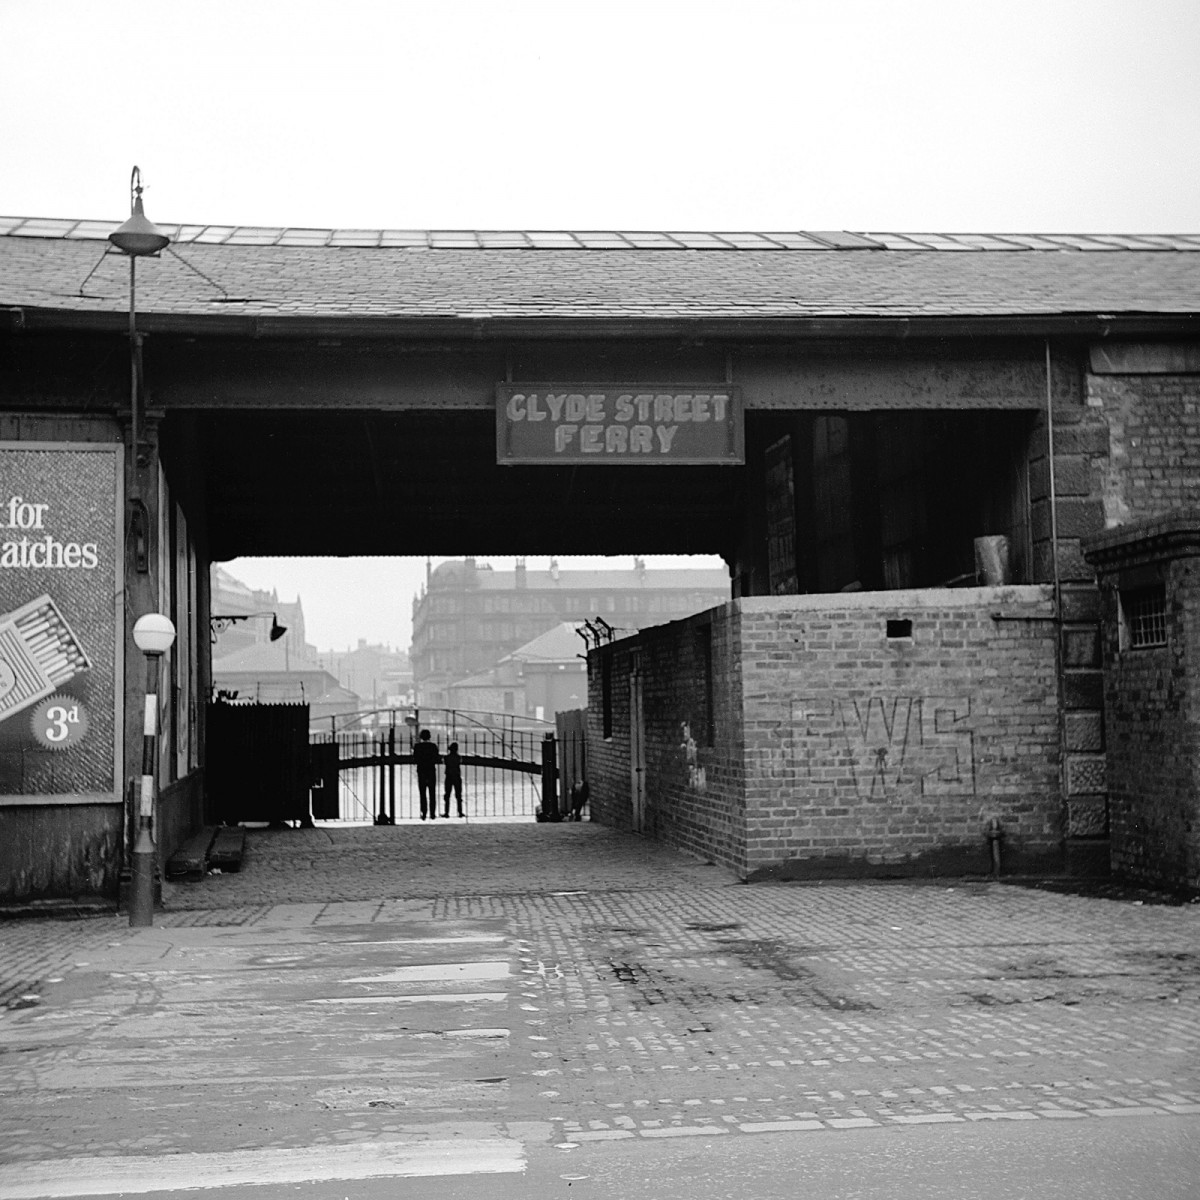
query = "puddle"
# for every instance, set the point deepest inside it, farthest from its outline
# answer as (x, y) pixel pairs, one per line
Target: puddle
(426, 998)
(436, 972)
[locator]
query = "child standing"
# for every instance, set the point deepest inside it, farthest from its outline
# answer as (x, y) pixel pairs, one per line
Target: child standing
(453, 780)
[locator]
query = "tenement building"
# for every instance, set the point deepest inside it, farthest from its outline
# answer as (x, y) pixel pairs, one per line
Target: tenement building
(954, 479)
(470, 615)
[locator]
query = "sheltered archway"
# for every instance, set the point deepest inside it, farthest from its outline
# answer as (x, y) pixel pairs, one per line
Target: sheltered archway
(344, 393)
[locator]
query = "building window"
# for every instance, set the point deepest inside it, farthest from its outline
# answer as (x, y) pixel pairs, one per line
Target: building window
(1144, 617)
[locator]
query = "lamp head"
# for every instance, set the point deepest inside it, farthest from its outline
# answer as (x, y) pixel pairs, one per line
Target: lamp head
(154, 634)
(277, 630)
(138, 236)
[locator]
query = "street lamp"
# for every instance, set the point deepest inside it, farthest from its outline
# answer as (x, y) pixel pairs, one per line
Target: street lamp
(138, 237)
(153, 635)
(220, 622)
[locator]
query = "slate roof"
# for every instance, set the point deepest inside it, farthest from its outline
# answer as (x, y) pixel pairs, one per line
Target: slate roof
(268, 658)
(560, 644)
(56, 272)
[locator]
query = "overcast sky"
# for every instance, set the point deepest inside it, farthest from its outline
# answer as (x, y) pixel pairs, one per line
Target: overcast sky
(925, 115)
(885, 115)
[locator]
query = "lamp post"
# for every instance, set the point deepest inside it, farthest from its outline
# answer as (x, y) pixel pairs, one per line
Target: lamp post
(154, 635)
(137, 238)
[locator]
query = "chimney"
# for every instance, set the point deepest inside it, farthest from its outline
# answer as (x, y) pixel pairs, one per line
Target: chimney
(520, 572)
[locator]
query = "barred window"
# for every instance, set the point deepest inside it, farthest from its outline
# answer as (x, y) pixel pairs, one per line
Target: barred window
(1144, 617)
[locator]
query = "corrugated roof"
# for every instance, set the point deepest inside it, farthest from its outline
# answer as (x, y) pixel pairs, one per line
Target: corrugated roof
(279, 276)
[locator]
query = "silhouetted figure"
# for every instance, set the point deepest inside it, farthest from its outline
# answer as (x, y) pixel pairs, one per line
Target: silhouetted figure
(425, 755)
(579, 797)
(453, 780)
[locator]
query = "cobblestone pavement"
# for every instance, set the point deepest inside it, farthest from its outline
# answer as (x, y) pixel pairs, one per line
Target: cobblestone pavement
(651, 995)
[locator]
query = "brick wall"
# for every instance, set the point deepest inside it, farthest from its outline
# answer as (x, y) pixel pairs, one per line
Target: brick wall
(695, 795)
(608, 734)
(1152, 717)
(1149, 465)
(838, 748)
(1152, 742)
(1154, 434)
(870, 749)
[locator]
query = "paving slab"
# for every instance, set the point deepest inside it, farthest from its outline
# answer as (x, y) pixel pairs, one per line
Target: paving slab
(384, 986)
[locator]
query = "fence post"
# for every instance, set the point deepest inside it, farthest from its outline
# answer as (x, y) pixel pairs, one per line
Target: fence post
(376, 743)
(550, 810)
(392, 774)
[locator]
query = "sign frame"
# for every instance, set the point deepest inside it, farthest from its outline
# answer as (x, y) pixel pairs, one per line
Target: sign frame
(658, 411)
(114, 605)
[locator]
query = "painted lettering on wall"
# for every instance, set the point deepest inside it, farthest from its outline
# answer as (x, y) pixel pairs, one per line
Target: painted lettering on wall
(885, 746)
(626, 424)
(26, 546)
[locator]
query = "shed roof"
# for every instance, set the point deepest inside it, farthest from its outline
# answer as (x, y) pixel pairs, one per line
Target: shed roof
(57, 272)
(560, 644)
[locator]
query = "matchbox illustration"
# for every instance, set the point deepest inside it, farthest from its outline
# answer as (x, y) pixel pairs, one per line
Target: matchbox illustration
(39, 652)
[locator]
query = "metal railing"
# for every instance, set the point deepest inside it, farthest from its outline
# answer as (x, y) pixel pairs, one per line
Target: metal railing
(502, 767)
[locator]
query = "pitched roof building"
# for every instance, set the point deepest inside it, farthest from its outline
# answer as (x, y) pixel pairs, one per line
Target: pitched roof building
(900, 398)
(469, 616)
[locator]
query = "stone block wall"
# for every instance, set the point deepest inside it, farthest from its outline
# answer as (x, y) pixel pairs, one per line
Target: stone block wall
(1081, 453)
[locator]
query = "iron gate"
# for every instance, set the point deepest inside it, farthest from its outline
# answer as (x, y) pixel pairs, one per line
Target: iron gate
(364, 771)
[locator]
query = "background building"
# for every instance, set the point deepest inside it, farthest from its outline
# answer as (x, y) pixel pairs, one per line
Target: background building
(268, 674)
(545, 676)
(380, 676)
(470, 615)
(249, 667)
(232, 598)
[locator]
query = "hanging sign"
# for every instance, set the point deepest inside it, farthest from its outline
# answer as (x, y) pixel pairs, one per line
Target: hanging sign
(619, 424)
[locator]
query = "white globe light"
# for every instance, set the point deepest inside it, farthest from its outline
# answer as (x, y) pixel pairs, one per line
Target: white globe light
(154, 634)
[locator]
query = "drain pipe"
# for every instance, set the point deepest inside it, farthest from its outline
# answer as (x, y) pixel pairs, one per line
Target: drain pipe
(1053, 493)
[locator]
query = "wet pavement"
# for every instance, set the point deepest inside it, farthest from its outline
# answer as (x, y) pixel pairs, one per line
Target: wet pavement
(393, 994)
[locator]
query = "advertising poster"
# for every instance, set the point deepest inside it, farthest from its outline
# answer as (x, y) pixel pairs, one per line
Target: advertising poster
(61, 581)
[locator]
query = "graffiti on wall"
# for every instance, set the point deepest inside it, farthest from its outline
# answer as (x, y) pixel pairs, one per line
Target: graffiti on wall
(888, 746)
(696, 775)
